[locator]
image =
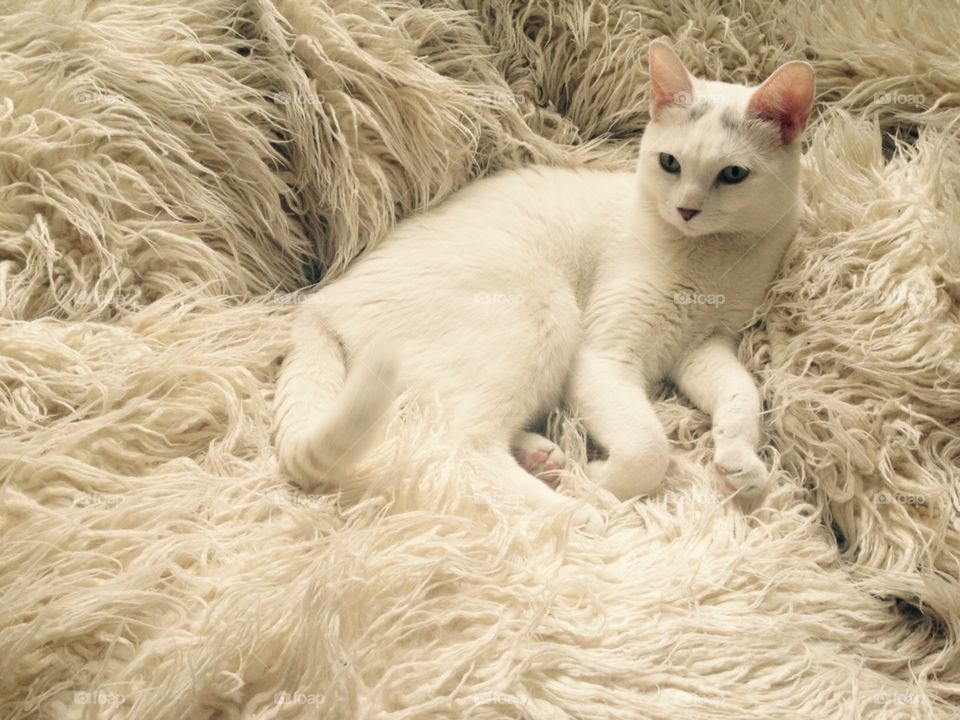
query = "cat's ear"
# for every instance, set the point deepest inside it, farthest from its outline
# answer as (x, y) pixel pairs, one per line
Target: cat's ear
(669, 80)
(785, 99)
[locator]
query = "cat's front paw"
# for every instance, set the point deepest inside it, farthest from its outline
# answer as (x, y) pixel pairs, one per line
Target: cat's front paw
(740, 469)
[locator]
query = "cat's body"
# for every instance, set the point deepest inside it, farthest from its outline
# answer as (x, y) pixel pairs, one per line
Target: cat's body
(542, 286)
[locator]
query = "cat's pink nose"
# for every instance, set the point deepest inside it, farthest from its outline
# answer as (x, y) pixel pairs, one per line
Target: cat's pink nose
(687, 213)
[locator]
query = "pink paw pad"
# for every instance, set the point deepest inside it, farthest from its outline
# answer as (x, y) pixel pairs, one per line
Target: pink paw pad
(539, 457)
(722, 471)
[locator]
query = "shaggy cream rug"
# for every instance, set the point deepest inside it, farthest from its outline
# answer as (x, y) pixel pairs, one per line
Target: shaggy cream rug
(172, 170)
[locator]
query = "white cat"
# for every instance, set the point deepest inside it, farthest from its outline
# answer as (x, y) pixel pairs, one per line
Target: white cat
(541, 286)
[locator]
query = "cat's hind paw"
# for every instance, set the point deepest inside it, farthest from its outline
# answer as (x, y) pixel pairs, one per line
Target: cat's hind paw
(539, 456)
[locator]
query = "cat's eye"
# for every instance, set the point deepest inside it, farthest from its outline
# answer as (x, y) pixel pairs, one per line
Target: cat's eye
(732, 174)
(669, 163)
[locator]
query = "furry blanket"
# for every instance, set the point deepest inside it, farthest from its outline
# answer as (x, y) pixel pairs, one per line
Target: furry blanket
(173, 170)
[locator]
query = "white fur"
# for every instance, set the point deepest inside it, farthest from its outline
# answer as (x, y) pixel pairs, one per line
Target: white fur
(541, 286)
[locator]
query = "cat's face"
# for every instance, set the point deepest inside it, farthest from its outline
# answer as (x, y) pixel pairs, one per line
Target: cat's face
(722, 158)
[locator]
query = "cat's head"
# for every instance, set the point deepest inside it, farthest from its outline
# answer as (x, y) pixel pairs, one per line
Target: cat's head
(723, 158)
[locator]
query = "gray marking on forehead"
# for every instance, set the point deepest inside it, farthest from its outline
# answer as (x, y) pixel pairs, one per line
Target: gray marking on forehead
(765, 135)
(697, 111)
(730, 121)
(762, 135)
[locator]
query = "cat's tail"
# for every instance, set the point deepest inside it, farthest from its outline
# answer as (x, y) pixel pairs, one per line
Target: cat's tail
(328, 416)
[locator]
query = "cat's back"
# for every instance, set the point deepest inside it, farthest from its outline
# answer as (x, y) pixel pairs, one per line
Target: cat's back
(552, 219)
(536, 186)
(530, 205)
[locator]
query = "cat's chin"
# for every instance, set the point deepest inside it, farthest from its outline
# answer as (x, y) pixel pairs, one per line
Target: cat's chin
(692, 232)
(702, 232)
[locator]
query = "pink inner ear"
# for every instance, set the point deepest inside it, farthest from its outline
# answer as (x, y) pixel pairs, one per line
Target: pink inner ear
(669, 81)
(785, 98)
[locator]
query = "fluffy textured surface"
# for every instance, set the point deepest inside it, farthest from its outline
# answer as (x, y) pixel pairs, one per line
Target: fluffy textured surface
(170, 171)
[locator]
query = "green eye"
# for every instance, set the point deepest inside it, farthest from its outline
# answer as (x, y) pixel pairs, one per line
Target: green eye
(732, 174)
(669, 163)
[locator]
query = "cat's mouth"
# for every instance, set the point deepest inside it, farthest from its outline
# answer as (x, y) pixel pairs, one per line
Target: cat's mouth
(691, 228)
(689, 231)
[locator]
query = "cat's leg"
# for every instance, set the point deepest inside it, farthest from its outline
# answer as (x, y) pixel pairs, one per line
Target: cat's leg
(618, 415)
(538, 456)
(326, 417)
(715, 381)
(515, 482)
